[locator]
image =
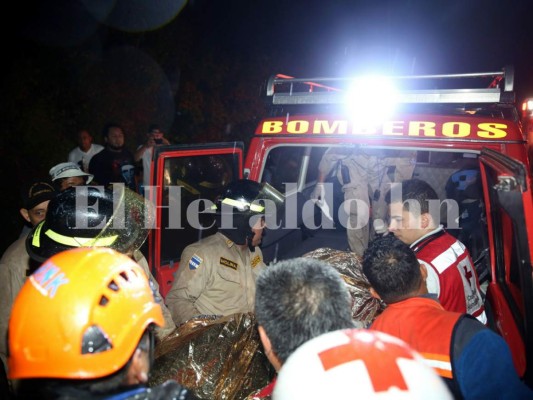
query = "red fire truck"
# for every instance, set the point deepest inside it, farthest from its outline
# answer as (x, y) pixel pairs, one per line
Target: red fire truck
(465, 137)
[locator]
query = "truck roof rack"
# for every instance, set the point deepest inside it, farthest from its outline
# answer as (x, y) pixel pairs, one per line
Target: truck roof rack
(286, 90)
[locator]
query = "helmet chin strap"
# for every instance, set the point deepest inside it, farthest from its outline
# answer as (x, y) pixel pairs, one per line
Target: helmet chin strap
(249, 240)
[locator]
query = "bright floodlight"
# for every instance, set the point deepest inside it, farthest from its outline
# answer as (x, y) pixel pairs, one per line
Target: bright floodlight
(370, 100)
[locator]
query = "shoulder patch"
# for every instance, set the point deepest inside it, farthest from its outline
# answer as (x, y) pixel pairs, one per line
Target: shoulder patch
(228, 263)
(256, 260)
(195, 262)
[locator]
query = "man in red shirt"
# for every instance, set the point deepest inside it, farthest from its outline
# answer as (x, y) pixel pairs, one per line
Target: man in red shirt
(451, 273)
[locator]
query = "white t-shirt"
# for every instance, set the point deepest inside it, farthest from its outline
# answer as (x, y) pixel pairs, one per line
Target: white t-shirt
(78, 155)
(146, 159)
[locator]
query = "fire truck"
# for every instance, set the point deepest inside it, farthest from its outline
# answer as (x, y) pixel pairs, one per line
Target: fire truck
(463, 133)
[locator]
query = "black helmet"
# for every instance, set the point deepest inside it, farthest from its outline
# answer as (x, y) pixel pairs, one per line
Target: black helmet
(242, 203)
(87, 216)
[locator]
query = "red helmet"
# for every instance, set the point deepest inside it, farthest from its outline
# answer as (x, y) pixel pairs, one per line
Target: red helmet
(80, 316)
(357, 363)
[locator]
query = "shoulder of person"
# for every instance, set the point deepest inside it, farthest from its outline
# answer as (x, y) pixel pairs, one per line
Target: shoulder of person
(15, 253)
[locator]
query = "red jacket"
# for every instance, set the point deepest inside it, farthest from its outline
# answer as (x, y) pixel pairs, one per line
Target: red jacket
(425, 326)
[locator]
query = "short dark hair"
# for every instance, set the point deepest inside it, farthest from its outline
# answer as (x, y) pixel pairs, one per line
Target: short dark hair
(392, 268)
(108, 126)
(415, 190)
(299, 299)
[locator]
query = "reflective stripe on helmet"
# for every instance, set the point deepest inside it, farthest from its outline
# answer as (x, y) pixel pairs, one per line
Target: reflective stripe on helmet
(241, 205)
(81, 241)
(36, 240)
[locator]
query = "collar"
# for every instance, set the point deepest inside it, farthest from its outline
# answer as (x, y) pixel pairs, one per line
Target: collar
(428, 237)
(228, 242)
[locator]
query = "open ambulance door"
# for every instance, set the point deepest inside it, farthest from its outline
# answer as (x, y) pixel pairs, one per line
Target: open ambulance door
(508, 199)
(185, 181)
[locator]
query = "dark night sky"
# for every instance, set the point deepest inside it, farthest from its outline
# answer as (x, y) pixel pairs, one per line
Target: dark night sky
(298, 37)
(324, 37)
(315, 38)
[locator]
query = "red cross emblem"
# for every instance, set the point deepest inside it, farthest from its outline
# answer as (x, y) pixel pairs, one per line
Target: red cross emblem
(383, 374)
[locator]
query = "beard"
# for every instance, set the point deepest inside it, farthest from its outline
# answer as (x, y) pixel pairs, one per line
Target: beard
(115, 148)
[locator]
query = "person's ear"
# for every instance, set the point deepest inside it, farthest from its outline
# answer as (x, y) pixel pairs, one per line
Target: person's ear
(425, 220)
(423, 272)
(269, 352)
(374, 294)
(139, 368)
(264, 339)
(25, 214)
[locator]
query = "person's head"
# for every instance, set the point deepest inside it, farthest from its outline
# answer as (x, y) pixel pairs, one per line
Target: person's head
(87, 216)
(296, 300)
(393, 270)
(84, 318)
(242, 208)
(85, 140)
(410, 216)
(68, 174)
(155, 132)
(35, 198)
(358, 363)
(114, 137)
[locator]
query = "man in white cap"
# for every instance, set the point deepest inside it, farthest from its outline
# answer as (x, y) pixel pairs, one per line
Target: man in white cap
(67, 174)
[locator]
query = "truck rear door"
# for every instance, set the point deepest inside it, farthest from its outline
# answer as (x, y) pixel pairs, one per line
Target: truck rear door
(186, 179)
(507, 191)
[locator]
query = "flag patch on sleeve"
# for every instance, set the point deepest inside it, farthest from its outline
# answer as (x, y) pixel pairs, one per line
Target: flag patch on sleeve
(195, 262)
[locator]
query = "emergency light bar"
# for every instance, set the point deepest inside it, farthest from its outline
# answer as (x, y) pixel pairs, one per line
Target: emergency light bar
(286, 90)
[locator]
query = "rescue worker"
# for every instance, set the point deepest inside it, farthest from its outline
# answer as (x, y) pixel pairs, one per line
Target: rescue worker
(451, 272)
(82, 328)
(475, 362)
(16, 265)
(217, 274)
(296, 300)
(365, 175)
(86, 216)
(357, 364)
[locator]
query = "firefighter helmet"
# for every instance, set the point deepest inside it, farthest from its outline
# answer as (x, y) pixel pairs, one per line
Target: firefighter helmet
(80, 316)
(242, 203)
(88, 216)
(357, 363)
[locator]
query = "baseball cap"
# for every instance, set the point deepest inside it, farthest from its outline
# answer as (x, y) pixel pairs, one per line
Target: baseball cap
(36, 192)
(67, 170)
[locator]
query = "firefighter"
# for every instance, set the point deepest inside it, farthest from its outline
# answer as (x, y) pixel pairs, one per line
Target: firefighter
(217, 274)
(86, 216)
(365, 175)
(81, 327)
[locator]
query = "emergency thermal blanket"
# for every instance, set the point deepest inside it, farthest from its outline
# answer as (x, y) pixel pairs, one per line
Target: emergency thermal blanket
(216, 358)
(365, 308)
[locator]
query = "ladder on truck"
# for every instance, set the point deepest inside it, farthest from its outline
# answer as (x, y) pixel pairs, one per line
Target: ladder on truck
(498, 88)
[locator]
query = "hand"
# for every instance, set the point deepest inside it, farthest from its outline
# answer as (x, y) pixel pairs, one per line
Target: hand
(319, 192)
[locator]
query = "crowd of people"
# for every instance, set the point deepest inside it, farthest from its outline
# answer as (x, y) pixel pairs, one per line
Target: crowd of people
(81, 312)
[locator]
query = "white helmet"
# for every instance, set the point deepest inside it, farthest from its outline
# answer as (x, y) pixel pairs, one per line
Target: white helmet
(357, 363)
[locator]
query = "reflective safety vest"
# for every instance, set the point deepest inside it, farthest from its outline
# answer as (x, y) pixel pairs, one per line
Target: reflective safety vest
(423, 324)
